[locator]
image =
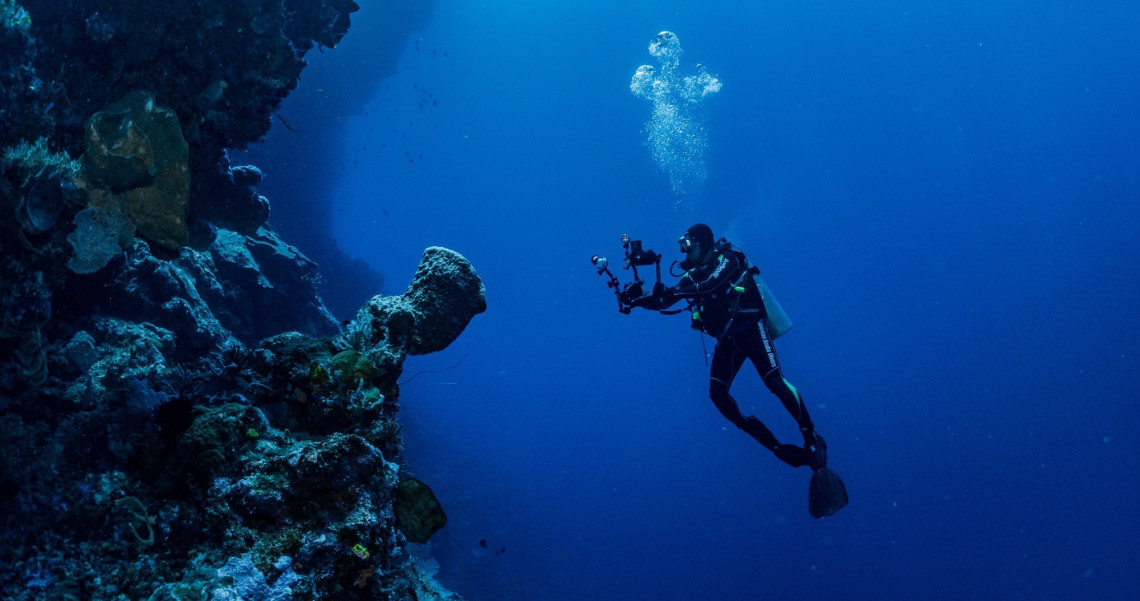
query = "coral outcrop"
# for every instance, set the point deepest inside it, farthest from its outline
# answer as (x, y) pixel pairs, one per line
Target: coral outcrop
(444, 295)
(136, 468)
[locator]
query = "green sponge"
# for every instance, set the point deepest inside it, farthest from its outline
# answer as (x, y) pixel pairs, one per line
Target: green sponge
(136, 158)
(418, 513)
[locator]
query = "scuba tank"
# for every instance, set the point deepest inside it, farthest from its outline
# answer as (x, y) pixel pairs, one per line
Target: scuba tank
(778, 321)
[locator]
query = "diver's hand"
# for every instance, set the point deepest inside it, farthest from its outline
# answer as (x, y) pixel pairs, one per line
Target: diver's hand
(641, 301)
(655, 300)
(631, 293)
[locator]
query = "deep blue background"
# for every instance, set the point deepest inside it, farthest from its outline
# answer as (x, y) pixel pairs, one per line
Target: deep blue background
(942, 194)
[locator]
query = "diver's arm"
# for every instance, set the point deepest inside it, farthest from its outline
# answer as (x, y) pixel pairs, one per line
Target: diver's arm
(664, 297)
(660, 299)
(721, 277)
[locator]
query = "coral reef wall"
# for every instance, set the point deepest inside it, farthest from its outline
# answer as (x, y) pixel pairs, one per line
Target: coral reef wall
(183, 417)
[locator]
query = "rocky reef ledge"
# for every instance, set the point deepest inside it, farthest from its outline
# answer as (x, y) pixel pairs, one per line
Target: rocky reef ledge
(155, 455)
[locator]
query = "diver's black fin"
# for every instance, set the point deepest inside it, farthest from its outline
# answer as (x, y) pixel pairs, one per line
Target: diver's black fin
(827, 493)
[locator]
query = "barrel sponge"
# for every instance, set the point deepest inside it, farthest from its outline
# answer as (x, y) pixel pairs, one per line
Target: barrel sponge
(136, 152)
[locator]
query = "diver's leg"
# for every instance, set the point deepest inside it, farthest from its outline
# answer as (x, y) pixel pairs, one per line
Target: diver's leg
(763, 355)
(726, 363)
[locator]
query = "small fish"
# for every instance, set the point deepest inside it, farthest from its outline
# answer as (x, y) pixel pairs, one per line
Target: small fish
(483, 543)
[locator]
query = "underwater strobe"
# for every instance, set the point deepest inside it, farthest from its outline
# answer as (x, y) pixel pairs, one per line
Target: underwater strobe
(635, 256)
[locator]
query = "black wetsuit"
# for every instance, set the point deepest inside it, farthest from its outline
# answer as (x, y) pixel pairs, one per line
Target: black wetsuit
(726, 304)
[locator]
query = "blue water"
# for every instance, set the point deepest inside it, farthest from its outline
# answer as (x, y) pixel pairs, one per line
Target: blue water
(942, 194)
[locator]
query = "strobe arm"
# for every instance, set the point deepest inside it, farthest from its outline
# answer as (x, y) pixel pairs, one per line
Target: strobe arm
(603, 267)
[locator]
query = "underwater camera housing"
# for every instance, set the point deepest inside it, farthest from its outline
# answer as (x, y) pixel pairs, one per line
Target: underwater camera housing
(636, 256)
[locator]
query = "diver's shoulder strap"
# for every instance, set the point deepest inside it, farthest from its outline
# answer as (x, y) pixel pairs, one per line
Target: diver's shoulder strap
(723, 246)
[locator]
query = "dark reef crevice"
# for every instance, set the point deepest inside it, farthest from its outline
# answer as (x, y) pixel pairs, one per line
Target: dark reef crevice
(309, 154)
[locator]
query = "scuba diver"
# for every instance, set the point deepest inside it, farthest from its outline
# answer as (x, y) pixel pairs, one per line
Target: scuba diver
(728, 303)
